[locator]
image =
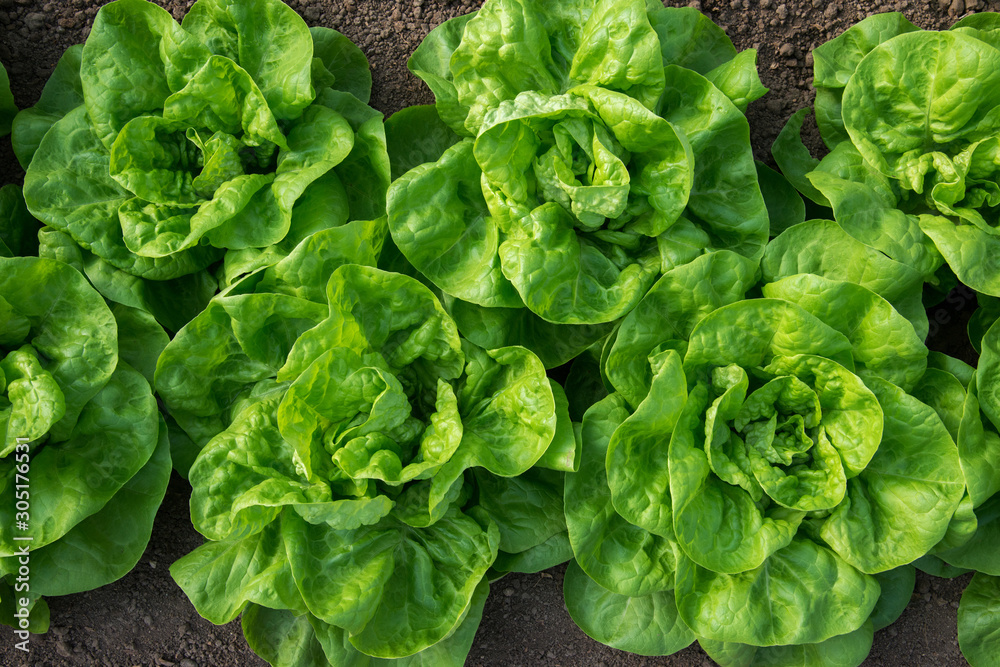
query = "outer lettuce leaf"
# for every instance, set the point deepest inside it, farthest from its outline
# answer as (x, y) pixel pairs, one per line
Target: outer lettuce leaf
(803, 594)
(62, 93)
(847, 650)
(235, 342)
(690, 39)
(883, 341)
(343, 62)
(989, 368)
(106, 545)
(617, 555)
(555, 344)
(458, 252)
(375, 564)
(725, 207)
(207, 576)
(285, 639)
(416, 135)
(901, 505)
(978, 625)
(834, 64)
(647, 625)
(865, 205)
(824, 248)
(794, 159)
(253, 33)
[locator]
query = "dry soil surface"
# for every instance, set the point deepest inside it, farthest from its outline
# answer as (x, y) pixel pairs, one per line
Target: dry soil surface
(144, 619)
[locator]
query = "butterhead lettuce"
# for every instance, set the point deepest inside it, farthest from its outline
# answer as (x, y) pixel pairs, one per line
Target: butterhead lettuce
(764, 484)
(595, 145)
(336, 483)
(84, 458)
(176, 156)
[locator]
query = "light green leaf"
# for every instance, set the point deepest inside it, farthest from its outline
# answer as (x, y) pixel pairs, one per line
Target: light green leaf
(802, 594)
(220, 578)
(900, 506)
(882, 340)
(439, 221)
(979, 621)
(395, 589)
(739, 80)
(619, 50)
(268, 40)
(555, 344)
(343, 60)
(725, 198)
(647, 625)
(62, 93)
(669, 312)
(824, 248)
(690, 39)
(834, 64)
(135, 57)
(621, 557)
(847, 650)
(637, 465)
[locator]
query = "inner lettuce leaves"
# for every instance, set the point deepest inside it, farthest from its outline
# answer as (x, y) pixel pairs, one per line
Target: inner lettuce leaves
(79, 422)
(354, 452)
(247, 132)
(595, 146)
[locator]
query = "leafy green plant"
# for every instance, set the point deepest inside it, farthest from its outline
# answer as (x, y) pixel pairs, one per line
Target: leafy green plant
(341, 517)
(81, 434)
(910, 117)
(763, 476)
(227, 152)
(591, 150)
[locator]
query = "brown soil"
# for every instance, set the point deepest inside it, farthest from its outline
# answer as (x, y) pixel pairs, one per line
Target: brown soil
(144, 619)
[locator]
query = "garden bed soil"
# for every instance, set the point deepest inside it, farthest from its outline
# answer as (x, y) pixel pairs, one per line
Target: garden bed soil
(144, 618)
